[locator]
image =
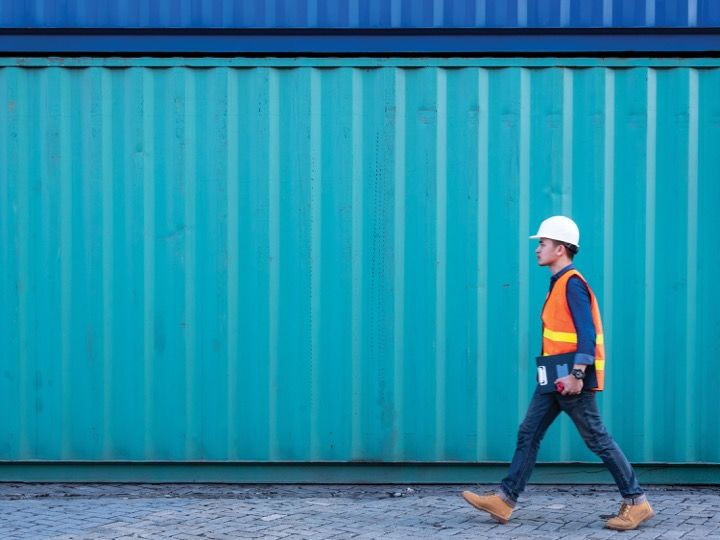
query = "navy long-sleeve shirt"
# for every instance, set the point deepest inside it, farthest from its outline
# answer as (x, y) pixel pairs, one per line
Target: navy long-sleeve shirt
(578, 299)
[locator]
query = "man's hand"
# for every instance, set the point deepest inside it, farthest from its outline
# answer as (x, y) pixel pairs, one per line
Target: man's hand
(572, 385)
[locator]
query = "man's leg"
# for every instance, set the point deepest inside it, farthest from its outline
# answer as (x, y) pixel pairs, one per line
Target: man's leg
(542, 411)
(584, 413)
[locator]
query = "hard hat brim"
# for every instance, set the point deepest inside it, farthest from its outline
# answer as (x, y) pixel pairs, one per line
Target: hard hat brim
(536, 236)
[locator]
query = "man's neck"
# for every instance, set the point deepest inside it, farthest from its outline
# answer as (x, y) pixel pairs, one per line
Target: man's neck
(559, 265)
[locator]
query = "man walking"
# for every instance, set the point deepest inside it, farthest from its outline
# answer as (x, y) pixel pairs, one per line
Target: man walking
(571, 324)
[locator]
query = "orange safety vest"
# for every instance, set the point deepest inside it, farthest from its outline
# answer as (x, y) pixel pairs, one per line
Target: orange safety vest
(559, 334)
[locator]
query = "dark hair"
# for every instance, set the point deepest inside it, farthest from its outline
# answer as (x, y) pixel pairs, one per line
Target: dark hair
(571, 249)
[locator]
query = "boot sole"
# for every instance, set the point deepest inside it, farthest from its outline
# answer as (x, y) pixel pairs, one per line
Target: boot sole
(493, 515)
(643, 520)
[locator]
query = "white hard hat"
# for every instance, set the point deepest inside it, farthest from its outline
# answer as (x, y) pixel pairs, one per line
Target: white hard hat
(560, 228)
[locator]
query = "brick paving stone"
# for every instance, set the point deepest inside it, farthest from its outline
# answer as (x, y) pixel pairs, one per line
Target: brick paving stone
(194, 511)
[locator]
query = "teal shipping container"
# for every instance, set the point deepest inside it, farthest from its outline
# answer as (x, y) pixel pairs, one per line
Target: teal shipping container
(319, 269)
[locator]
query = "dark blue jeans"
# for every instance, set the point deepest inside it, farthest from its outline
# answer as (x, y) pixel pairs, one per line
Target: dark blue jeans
(582, 408)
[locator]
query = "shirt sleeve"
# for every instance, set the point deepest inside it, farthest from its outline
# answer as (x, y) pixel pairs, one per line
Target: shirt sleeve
(578, 299)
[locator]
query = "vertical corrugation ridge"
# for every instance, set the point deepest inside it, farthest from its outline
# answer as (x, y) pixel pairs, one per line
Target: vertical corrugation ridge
(192, 421)
(692, 13)
(441, 261)
(608, 223)
(650, 12)
(312, 13)
(46, 166)
(86, 276)
(607, 12)
(45, 133)
(564, 13)
(108, 264)
(522, 13)
(229, 17)
(566, 202)
(399, 261)
(148, 143)
(23, 245)
(164, 15)
(650, 225)
(233, 257)
(482, 266)
(217, 120)
(523, 228)
(82, 176)
(438, 13)
(66, 250)
(480, 10)
(567, 149)
(354, 13)
(6, 289)
(123, 18)
(145, 14)
(270, 14)
(274, 250)
(315, 253)
(357, 262)
(691, 412)
(126, 223)
(4, 216)
(396, 13)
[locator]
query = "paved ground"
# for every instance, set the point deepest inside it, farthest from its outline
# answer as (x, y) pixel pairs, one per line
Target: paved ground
(183, 512)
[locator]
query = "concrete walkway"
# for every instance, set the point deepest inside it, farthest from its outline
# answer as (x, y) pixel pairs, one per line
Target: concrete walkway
(190, 511)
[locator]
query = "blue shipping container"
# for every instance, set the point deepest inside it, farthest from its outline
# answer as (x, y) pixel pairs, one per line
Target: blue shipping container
(379, 27)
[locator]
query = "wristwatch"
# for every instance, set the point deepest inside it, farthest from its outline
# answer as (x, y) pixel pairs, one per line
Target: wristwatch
(578, 373)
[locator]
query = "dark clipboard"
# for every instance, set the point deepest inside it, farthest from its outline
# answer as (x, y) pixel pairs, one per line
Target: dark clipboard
(554, 366)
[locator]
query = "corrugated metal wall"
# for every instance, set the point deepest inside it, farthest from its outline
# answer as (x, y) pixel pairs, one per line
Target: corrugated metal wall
(358, 13)
(253, 260)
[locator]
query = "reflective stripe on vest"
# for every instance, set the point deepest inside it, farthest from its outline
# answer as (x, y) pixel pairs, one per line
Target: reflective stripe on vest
(559, 334)
(569, 337)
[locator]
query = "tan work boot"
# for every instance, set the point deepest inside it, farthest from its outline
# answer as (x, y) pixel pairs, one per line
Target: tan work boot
(630, 516)
(498, 509)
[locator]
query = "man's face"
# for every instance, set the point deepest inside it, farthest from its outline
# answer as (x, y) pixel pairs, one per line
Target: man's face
(547, 252)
